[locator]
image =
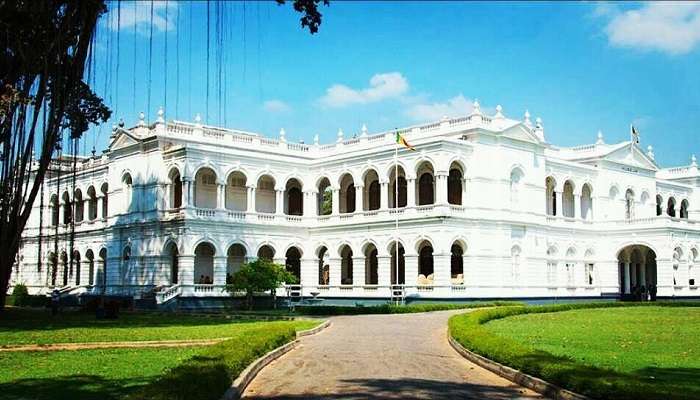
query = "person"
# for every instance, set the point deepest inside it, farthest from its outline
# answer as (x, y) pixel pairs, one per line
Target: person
(55, 301)
(201, 279)
(643, 293)
(652, 292)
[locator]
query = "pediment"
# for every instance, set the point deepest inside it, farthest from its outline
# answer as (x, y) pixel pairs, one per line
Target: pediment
(632, 156)
(521, 133)
(123, 139)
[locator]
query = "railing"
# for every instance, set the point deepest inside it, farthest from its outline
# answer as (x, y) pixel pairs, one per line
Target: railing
(238, 215)
(205, 212)
(266, 218)
(167, 294)
(294, 218)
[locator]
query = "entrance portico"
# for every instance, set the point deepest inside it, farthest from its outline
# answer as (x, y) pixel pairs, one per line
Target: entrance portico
(637, 271)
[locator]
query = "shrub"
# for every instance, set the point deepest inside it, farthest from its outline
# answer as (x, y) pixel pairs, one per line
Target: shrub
(396, 309)
(20, 295)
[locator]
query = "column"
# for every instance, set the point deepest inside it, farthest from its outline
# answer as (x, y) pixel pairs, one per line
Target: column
(220, 196)
(384, 196)
(309, 273)
(61, 212)
(334, 271)
(358, 270)
(336, 202)
(577, 205)
(560, 204)
(384, 270)
(627, 277)
(464, 192)
(442, 269)
(220, 270)
(279, 202)
(186, 201)
(312, 204)
(359, 198)
(250, 199)
(186, 269)
(411, 269)
(643, 275)
(411, 192)
(441, 188)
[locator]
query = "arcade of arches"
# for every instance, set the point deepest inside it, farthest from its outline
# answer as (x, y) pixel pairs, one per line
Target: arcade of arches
(637, 272)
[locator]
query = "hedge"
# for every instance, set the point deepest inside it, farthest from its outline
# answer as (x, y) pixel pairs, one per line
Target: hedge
(566, 372)
(396, 309)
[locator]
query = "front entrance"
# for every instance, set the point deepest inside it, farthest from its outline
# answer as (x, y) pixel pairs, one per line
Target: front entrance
(637, 272)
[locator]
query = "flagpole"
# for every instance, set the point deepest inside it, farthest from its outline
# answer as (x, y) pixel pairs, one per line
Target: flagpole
(396, 214)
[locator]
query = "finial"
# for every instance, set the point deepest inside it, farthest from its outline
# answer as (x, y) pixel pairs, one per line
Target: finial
(538, 123)
(364, 130)
(340, 135)
(445, 118)
(600, 138)
(198, 119)
(650, 152)
(301, 141)
(121, 122)
(316, 139)
(161, 114)
(693, 161)
(114, 127)
(93, 151)
(527, 118)
(142, 119)
(499, 111)
(477, 107)
(283, 135)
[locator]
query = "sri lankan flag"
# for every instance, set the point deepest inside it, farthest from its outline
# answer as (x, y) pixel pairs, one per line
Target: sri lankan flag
(402, 141)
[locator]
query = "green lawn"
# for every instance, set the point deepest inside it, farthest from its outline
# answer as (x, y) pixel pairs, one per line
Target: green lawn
(203, 372)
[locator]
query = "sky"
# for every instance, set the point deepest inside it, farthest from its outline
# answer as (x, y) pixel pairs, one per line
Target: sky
(581, 67)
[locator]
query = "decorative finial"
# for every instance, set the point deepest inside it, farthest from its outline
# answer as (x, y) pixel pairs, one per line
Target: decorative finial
(600, 138)
(93, 151)
(364, 130)
(499, 111)
(693, 161)
(114, 128)
(283, 135)
(340, 135)
(444, 118)
(161, 115)
(316, 139)
(527, 118)
(301, 141)
(477, 107)
(142, 119)
(198, 119)
(121, 122)
(538, 123)
(650, 152)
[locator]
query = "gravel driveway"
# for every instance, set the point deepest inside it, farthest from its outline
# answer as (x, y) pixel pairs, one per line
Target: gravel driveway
(396, 356)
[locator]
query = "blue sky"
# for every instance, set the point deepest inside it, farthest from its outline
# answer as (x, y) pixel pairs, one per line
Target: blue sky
(581, 67)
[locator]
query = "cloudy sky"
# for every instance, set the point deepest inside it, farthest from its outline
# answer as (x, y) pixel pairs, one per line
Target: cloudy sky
(581, 67)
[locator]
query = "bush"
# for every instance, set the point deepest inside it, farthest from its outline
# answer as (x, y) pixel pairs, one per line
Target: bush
(396, 309)
(566, 372)
(20, 295)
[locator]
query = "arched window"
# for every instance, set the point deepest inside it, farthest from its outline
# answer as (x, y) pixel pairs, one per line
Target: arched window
(425, 264)
(568, 199)
(64, 267)
(324, 199)
(515, 264)
(426, 184)
(677, 255)
(173, 261)
(79, 205)
(266, 252)
(53, 265)
(92, 203)
(398, 263)
(236, 257)
(347, 194)
(551, 196)
(684, 209)
(75, 266)
(457, 264)
(372, 198)
(205, 190)
(67, 209)
(629, 204)
(323, 266)
(293, 262)
(395, 202)
(659, 205)
(454, 185)
(90, 257)
(516, 177)
(105, 203)
(175, 189)
(204, 263)
(54, 210)
(345, 265)
(236, 191)
(126, 261)
(265, 199)
(552, 266)
(127, 189)
(371, 265)
(589, 273)
(671, 210)
(586, 203)
(570, 266)
(101, 276)
(293, 199)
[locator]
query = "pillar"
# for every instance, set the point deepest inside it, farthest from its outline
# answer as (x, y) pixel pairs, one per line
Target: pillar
(359, 198)
(309, 272)
(441, 189)
(643, 274)
(358, 270)
(560, 204)
(250, 199)
(334, 271)
(384, 270)
(186, 199)
(411, 269)
(577, 206)
(627, 277)
(442, 269)
(312, 204)
(410, 192)
(464, 192)
(219, 277)
(384, 196)
(336, 202)
(279, 202)
(220, 196)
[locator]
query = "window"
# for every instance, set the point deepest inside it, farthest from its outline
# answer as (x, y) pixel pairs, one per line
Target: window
(570, 273)
(589, 273)
(552, 273)
(515, 264)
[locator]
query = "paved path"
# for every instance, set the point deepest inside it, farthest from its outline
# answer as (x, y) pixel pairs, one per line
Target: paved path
(397, 356)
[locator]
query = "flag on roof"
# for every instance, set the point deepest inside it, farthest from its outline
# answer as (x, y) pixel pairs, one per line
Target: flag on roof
(402, 141)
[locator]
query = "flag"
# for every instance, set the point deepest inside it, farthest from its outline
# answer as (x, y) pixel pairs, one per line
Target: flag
(402, 141)
(635, 135)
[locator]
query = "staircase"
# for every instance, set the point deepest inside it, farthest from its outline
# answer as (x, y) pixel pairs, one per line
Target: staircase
(167, 294)
(398, 294)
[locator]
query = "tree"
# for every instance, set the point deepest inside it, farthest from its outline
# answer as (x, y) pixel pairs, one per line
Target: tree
(260, 275)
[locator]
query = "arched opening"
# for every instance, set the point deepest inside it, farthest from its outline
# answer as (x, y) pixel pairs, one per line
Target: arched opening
(425, 185)
(371, 265)
(372, 197)
(568, 199)
(684, 209)
(90, 257)
(345, 265)
(104, 189)
(204, 263)
(395, 202)
(425, 263)
(175, 188)
(126, 262)
(457, 264)
(629, 204)
(92, 203)
(677, 256)
(293, 262)
(265, 201)
(570, 267)
(324, 197)
(235, 259)
(398, 264)
(637, 273)
(293, 198)
(127, 189)
(589, 271)
(79, 205)
(173, 260)
(67, 209)
(205, 188)
(236, 191)
(586, 202)
(266, 252)
(323, 266)
(659, 205)
(516, 178)
(53, 265)
(551, 196)
(64, 267)
(347, 194)
(552, 266)
(671, 209)
(101, 275)
(54, 210)
(454, 184)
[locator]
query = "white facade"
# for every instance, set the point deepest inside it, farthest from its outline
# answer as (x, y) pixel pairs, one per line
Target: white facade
(487, 208)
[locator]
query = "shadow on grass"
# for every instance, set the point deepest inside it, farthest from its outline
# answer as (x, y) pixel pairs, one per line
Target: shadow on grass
(69, 388)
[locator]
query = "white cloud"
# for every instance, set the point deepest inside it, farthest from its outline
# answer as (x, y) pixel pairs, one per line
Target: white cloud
(673, 28)
(381, 87)
(458, 105)
(138, 13)
(276, 106)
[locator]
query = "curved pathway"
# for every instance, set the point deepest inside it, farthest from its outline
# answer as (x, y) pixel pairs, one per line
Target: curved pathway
(396, 356)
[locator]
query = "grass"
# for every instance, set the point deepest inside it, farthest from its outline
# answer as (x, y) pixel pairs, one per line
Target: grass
(602, 350)
(203, 372)
(396, 309)
(27, 326)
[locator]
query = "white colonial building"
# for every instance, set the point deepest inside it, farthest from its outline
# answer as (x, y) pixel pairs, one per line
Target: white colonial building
(486, 208)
